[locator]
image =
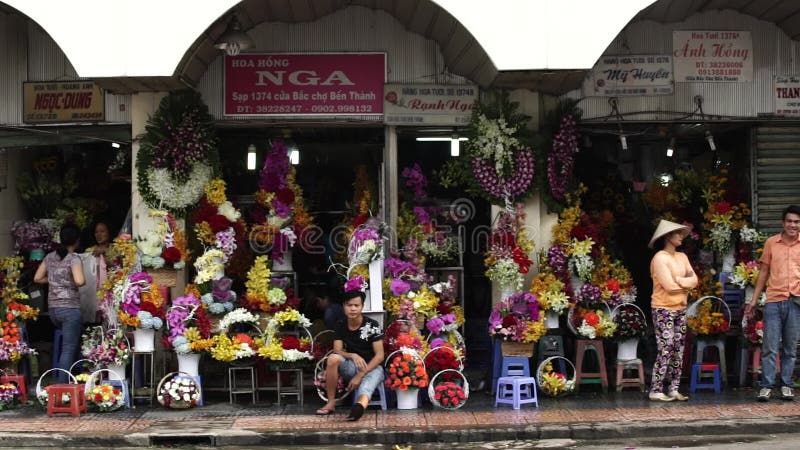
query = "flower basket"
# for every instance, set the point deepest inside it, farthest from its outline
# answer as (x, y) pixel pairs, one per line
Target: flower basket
(753, 328)
(104, 397)
(519, 349)
(600, 309)
(708, 318)
(438, 357)
(552, 382)
(178, 390)
(451, 394)
(164, 277)
(9, 395)
(405, 371)
(631, 326)
(41, 393)
(453, 338)
(320, 382)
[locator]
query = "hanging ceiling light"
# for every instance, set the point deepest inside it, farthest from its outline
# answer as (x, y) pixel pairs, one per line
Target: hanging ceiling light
(234, 40)
(710, 140)
(455, 142)
(671, 148)
(294, 156)
(251, 157)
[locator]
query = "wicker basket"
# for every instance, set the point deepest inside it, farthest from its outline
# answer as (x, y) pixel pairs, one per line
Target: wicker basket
(519, 349)
(432, 390)
(319, 377)
(178, 404)
(569, 379)
(164, 277)
(96, 379)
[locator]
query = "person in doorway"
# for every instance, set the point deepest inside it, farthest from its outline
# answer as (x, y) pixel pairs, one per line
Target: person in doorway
(779, 271)
(63, 272)
(673, 277)
(357, 356)
(102, 238)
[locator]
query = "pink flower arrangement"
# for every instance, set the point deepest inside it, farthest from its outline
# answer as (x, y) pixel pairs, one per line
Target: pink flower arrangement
(355, 284)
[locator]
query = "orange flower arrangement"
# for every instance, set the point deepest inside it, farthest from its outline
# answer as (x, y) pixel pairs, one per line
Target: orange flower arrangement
(406, 371)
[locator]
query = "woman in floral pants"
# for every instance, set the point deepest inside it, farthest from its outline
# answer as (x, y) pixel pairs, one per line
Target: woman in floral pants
(673, 277)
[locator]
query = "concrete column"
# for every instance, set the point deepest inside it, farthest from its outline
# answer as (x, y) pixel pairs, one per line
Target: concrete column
(390, 186)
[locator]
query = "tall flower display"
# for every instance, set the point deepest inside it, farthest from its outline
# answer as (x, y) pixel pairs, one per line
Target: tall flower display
(13, 311)
(177, 154)
(509, 246)
(280, 214)
(561, 159)
(188, 326)
(265, 294)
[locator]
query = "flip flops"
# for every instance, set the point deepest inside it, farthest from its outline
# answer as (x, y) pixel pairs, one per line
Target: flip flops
(324, 412)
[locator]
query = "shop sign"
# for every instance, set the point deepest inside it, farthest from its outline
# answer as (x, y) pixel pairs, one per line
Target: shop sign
(716, 56)
(787, 95)
(292, 84)
(633, 75)
(62, 101)
(428, 104)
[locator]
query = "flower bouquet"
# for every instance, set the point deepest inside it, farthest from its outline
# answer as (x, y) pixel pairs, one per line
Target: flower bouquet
(753, 328)
(517, 319)
(178, 391)
(745, 274)
(216, 220)
(104, 398)
(449, 395)
(549, 290)
(366, 244)
(263, 292)
(287, 339)
(188, 326)
(630, 322)
(30, 236)
(555, 382)
(590, 318)
(9, 395)
(142, 309)
(406, 370)
(163, 246)
(443, 358)
(708, 318)
(506, 260)
(105, 348)
(239, 337)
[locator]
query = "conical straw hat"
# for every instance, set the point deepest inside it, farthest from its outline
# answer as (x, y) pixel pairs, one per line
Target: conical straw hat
(666, 227)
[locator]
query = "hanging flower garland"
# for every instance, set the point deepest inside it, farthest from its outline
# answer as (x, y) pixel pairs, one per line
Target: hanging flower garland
(178, 153)
(561, 159)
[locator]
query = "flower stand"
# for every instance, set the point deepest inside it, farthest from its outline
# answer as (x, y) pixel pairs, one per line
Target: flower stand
(289, 391)
(407, 399)
(600, 377)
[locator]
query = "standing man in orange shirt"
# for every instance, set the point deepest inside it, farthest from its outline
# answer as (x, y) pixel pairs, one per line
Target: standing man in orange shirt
(779, 270)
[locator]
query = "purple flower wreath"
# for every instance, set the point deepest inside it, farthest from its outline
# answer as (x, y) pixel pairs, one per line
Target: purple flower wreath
(516, 184)
(561, 159)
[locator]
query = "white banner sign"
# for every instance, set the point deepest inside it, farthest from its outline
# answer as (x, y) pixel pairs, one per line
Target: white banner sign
(787, 95)
(633, 75)
(717, 56)
(428, 104)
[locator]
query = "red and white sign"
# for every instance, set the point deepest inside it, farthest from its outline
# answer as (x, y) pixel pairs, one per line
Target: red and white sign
(717, 56)
(288, 84)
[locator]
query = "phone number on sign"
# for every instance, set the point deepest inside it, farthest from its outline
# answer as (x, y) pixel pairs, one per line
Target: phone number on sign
(341, 108)
(719, 71)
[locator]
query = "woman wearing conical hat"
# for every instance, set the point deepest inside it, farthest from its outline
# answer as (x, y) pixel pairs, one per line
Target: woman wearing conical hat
(673, 277)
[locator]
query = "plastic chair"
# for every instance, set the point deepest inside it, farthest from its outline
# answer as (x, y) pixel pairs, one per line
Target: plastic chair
(516, 391)
(700, 370)
(377, 400)
(582, 346)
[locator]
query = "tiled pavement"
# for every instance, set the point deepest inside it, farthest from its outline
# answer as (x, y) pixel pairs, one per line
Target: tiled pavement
(583, 415)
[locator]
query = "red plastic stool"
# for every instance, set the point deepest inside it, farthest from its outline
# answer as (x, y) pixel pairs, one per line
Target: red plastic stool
(581, 347)
(19, 382)
(55, 399)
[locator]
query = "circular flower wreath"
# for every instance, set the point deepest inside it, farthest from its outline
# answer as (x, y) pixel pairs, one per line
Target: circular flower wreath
(178, 153)
(561, 159)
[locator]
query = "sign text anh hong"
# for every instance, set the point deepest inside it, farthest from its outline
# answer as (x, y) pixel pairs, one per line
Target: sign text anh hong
(716, 56)
(304, 84)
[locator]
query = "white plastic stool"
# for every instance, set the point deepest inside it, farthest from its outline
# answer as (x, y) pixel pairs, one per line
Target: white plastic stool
(516, 391)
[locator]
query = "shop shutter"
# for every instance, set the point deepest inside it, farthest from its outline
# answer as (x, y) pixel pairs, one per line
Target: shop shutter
(777, 174)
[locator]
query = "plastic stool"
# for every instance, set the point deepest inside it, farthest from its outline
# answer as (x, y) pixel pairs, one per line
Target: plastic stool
(702, 344)
(581, 347)
(55, 399)
(551, 345)
(515, 366)
(19, 382)
(633, 364)
(698, 371)
(380, 401)
(58, 338)
(516, 391)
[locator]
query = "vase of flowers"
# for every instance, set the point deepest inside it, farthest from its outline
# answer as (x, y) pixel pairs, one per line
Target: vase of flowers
(406, 374)
(590, 317)
(188, 332)
(631, 326)
(142, 309)
(107, 348)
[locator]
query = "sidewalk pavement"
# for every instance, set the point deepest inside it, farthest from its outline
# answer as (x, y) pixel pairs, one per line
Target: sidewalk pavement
(587, 415)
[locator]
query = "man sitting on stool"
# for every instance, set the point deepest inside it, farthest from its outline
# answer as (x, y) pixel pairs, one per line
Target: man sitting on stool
(357, 356)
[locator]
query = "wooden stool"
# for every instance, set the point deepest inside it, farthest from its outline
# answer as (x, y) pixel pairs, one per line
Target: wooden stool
(633, 364)
(55, 399)
(19, 382)
(581, 347)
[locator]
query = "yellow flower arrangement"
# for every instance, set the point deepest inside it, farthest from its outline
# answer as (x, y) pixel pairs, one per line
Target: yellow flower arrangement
(554, 383)
(534, 331)
(257, 284)
(708, 319)
(215, 192)
(567, 220)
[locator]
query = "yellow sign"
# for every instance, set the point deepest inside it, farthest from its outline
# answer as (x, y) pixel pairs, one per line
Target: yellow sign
(63, 101)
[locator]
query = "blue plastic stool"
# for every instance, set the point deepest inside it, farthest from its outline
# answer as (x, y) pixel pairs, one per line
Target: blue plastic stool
(516, 391)
(199, 382)
(380, 401)
(698, 371)
(515, 366)
(58, 338)
(123, 386)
